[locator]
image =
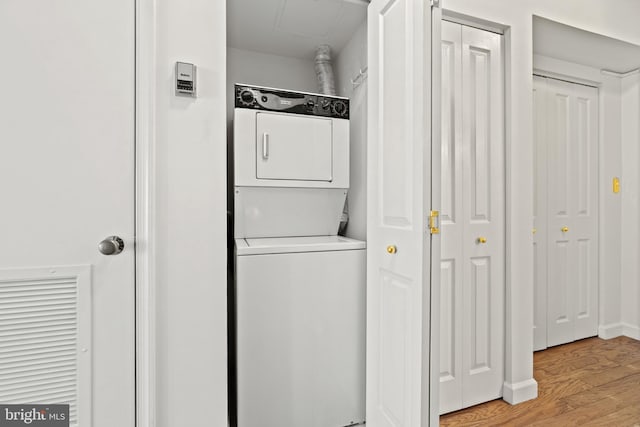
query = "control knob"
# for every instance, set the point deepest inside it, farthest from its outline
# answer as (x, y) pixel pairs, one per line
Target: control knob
(310, 104)
(246, 97)
(339, 108)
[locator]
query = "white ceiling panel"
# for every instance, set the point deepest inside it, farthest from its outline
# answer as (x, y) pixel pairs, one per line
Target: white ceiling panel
(293, 27)
(309, 18)
(572, 44)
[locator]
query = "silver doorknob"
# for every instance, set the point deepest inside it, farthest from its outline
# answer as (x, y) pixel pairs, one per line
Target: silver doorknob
(112, 245)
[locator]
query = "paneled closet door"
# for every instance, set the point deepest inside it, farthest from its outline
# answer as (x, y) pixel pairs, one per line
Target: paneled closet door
(571, 122)
(473, 239)
(451, 220)
(398, 195)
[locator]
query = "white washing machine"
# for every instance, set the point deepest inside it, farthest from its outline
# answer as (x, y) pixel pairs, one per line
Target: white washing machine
(299, 288)
(300, 331)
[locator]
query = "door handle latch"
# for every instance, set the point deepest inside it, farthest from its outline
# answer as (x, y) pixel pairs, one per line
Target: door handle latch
(434, 222)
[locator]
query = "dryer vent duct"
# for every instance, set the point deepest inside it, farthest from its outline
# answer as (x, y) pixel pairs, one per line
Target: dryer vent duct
(324, 70)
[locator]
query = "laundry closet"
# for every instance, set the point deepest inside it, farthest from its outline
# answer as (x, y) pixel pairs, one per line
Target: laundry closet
(271, 47)
(297, 213)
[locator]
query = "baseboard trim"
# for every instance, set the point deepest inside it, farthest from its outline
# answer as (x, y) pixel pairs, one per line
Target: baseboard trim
(631, 331)
(606, 332)
(520, 392)
(613, 330)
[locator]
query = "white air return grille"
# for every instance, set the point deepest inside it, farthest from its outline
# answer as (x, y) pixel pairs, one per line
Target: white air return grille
(45, 325)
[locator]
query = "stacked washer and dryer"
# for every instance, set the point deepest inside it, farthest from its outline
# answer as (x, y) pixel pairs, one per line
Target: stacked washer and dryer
(299, 286)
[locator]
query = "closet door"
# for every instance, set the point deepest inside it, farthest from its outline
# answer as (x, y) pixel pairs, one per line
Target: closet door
(398, 195)
(472, 268)
(451, 220)
(571, 122)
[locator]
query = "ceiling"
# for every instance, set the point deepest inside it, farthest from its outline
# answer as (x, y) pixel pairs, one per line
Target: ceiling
(293, 27)
(571, 44)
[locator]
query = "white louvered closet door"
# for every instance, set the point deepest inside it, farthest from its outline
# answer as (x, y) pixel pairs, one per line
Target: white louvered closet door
(473, 228)
(567, 263)
(67, 183)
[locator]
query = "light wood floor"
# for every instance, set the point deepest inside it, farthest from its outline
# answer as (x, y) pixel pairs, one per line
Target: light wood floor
(591, 382)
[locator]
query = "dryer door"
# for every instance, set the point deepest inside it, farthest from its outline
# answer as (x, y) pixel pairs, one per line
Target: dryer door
(291, 147)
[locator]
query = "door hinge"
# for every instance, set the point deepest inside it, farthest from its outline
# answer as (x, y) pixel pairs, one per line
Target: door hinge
(435, 3)
(434, 222)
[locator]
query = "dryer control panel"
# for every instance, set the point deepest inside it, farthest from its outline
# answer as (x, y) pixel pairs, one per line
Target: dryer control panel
(268, 99)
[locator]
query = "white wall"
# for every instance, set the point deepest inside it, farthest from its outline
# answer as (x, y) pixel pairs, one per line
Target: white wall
(347, 66)
(190, 213)
(619, 21)
(262, 69)
(630, 205)
(610, 206)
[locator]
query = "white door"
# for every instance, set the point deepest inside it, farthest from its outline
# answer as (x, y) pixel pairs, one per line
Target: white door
(293, 147)
(571, 125)
(472, 263)
(398, 247)
(451, 252)
(67, 182)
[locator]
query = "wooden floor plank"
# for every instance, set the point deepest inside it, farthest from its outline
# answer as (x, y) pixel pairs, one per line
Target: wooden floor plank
(584, 414)
(626, 417)
(591, 382)
(609, 375)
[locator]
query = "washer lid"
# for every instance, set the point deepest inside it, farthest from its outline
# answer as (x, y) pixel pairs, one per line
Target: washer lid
(280, 245)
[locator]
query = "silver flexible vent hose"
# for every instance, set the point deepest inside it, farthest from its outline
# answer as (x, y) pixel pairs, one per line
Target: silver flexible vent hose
(324, 70)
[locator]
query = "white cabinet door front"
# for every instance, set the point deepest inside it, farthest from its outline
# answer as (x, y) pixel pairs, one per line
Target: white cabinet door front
(67, 177)
(293, 147)
(473, 228)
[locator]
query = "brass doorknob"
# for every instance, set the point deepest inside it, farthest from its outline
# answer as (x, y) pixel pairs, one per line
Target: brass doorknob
(392, 249)
(564, 229)
(482, 240)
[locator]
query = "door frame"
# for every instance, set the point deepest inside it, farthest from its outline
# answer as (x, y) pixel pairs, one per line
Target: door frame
(437, 15)
(518, 383)
(145, 221)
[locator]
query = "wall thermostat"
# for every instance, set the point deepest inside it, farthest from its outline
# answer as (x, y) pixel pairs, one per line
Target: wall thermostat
(185, 79)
